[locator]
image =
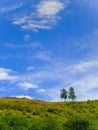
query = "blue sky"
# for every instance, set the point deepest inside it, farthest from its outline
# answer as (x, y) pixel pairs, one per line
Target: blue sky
(46, 45)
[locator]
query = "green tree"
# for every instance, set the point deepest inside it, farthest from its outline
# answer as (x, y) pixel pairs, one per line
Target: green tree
(72, 94)
(63, 94)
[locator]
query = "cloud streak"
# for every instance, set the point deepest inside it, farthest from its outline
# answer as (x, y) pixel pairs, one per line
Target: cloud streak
(27, 85)
(10, 9)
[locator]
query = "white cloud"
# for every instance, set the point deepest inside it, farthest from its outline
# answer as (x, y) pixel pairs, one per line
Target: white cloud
(7, 74)
(50, 8)
(23, 96)
(27, 85)
(44, 16)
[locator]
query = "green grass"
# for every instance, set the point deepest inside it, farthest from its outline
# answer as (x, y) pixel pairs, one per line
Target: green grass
(26, 114)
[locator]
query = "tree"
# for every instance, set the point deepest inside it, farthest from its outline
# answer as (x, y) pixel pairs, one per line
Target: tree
(63, 94)
(72, 94)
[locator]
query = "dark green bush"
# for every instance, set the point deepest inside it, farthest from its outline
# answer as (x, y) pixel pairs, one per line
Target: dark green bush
(51, 110)
(79, 123)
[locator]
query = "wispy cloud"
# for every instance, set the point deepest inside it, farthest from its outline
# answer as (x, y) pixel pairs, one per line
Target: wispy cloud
(44, 55)
(44, 15)
(27, 85)
(41, 91)
(10, 8)
(5, 57)
(35, 51)
(83, 66)
(31, 45)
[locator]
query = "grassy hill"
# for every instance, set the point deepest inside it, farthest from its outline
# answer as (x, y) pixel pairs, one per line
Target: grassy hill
(26, 114)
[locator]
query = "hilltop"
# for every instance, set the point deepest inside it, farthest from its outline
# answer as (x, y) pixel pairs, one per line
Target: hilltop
(28, 114)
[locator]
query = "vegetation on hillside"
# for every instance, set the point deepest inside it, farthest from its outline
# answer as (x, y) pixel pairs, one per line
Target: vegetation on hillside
(26, 114)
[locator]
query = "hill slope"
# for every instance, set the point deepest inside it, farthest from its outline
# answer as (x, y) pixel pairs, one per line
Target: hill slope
(26, 114)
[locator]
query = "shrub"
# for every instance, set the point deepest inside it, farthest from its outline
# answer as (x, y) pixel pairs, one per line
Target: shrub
(79, 123)
(51, 110)
(36, 124)
(52, 123)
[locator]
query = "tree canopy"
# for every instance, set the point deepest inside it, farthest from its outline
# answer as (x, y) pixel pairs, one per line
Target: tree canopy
(72, 94)
(63, 94)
